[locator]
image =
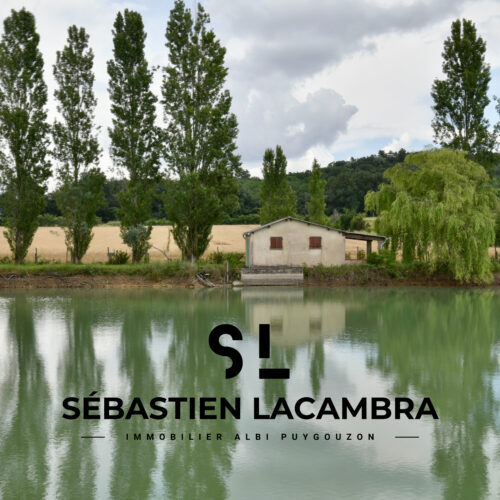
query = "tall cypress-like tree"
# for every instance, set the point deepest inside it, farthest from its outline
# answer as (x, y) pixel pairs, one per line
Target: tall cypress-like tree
(76, 146)
(135, 139)
(201, 131)
(277, 196)
(24, 130)
(461, 98)
(316, 206)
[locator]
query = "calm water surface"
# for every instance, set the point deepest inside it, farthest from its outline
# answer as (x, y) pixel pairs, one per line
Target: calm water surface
(444, 344)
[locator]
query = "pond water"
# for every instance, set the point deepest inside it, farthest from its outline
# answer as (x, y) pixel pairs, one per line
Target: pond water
(443, 344)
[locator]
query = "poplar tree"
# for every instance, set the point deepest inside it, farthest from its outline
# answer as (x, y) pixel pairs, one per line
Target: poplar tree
(76, 147)
(135, 139)
(316, 206)
(278, 199)
(200, 132)
(461, 97)
(24, 131)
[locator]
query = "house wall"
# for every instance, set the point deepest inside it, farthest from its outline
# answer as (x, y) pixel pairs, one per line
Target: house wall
(296, 251)
(293, 320)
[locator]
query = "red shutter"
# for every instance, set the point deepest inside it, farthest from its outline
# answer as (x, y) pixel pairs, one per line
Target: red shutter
(276, 243)
(315, 242)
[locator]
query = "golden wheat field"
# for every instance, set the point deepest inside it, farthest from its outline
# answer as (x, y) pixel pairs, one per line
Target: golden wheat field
(50, 243)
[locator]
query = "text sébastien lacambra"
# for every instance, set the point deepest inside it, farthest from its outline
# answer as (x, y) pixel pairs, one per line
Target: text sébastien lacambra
(211, 408)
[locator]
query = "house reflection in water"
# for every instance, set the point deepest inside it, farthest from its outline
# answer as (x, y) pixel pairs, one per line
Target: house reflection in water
(294, 321)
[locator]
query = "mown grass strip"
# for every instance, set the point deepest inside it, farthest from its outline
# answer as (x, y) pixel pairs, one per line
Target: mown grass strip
(154, 270)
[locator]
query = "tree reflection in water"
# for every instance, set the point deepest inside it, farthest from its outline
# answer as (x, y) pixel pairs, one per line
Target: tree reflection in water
(199, 469)
(441, 345)
(79, 373)
(134, 462)
(23, 447)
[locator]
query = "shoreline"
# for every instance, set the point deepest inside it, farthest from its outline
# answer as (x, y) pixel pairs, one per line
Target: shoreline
(9, 281)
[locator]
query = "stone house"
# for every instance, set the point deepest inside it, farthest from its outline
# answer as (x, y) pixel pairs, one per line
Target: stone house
(295, 242)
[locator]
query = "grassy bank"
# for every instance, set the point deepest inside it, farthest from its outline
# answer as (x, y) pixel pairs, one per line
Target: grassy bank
(391, 273)
(155, 271)
(181, 273)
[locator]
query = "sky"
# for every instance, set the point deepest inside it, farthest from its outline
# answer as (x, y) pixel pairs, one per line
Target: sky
(325, 79)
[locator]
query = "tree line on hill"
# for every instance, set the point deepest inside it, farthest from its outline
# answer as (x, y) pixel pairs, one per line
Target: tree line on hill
(346, 184)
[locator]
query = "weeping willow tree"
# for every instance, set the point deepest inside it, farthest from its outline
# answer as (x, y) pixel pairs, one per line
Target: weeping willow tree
(438, 207)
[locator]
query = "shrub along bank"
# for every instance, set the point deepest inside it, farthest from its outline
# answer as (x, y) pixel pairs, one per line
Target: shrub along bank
(384, 270)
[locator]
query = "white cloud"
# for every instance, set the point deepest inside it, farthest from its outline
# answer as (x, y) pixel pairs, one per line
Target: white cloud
(270, 118)
(403, 142)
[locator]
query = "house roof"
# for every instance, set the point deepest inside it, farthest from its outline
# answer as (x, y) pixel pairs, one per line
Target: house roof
(348, 234)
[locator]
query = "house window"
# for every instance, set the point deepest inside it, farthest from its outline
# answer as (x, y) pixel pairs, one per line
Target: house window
(315, 242)
(276, 243)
